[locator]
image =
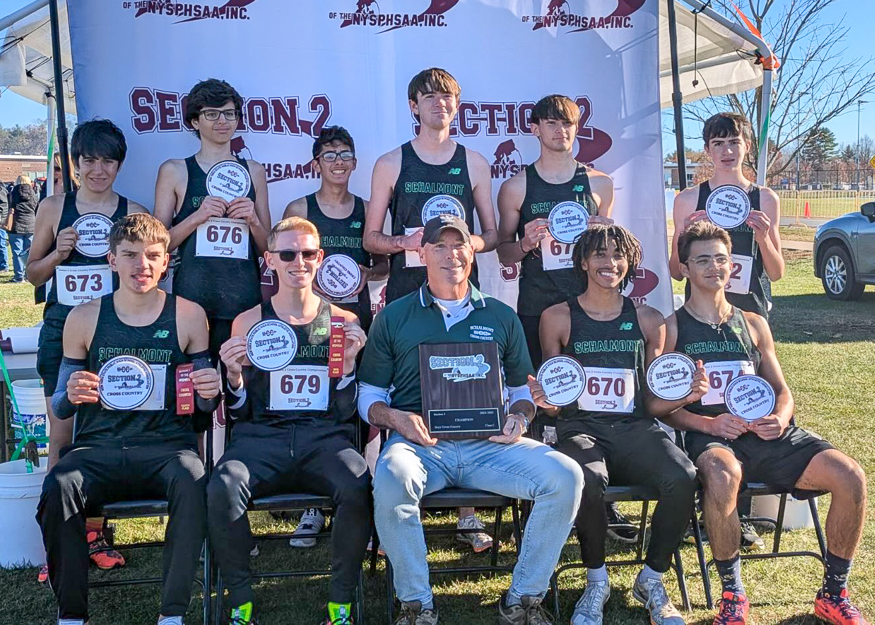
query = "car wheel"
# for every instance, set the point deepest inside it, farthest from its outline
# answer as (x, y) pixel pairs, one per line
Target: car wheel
(837, 275)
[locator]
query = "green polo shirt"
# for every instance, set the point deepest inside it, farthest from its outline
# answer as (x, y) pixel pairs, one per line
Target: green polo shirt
(391, 358)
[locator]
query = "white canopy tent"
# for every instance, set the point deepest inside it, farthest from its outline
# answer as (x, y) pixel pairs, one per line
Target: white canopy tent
(714, 56)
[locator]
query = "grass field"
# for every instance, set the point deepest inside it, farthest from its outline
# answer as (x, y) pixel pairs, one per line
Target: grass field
(827, 352)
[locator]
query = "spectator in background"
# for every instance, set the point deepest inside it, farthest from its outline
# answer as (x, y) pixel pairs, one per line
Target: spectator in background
(22, 206)
(4, 237)
(58, 179)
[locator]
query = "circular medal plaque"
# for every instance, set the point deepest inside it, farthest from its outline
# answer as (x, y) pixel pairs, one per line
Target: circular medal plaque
(125, 382)
(442, 205)
(228, 180)
(728, 206)
(749, 397)
(271, 345)
(339, 276)
(563, 380)
(567, 221)
(670, 376)
(92, 235)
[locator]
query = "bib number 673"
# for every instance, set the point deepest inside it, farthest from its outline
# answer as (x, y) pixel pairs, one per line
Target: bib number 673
(78, 283)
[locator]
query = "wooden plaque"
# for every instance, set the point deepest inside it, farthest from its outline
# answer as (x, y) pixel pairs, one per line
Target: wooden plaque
(462, 392)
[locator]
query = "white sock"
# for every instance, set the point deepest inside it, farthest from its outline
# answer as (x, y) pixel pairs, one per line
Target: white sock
(597, 575)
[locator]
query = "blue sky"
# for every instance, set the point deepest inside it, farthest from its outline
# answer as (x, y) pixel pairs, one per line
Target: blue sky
(857, 14)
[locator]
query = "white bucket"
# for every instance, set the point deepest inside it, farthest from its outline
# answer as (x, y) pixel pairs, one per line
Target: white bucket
(21, 542)
(31, 413)
(797, 514)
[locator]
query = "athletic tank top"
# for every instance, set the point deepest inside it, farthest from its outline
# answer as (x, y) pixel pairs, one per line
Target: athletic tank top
(612, 354)
(727, 352)
(301, 393)
(92, 284)
(749, 287)
(422, 188)
(344, 236)
(224, 287)
(540, 288)
(158, 345)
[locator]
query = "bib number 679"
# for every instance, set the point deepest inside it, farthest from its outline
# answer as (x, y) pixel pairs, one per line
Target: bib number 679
(294, 384)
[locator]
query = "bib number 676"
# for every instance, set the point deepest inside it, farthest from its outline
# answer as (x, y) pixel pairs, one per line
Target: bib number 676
(221, 234)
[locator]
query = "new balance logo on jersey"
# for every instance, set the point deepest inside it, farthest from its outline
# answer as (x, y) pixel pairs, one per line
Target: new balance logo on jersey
(578, 188)
(161, 334)
(355, 224)
(627, 325)
(455, 171)
(320, 331)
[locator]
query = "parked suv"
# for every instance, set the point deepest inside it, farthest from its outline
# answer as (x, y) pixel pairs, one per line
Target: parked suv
(844, 253)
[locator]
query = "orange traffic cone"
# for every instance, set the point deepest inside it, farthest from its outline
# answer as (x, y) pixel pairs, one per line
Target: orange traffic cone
(807, 211)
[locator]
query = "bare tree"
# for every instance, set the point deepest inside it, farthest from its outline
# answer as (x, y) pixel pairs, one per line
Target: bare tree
(815, 83)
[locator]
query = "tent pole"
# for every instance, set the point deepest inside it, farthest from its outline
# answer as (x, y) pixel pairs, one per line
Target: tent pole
(765, 116)
(59, 95)
(50, 143)
(676, 96)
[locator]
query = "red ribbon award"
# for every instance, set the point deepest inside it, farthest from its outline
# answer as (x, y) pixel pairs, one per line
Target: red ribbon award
(335, 347)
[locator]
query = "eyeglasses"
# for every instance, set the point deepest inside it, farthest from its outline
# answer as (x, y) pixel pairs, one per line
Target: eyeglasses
(289, 256)
(213, 114)
(330, 157)
(702, 262)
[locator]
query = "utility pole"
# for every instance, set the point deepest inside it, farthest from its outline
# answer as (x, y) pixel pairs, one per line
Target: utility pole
(798, 132)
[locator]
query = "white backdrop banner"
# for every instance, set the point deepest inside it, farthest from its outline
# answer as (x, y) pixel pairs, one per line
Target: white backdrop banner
(303, 65)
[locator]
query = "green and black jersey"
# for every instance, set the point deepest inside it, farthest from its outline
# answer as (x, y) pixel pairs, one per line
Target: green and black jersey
(424, 190)
(727, 352)
(301, 393)
(391, 358)
(157, 344)
(612, 355)
(540, 288)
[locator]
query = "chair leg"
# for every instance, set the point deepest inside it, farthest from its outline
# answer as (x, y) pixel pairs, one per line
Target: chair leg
(496, 540)
(390, 593)
(517, 528)
(682, 580)
(642, 528)
(554, 588)
(818, 530)
(779, 524)
(360, 599)
(375, 549)
(220, 599)
(703, 565)
(208, 586)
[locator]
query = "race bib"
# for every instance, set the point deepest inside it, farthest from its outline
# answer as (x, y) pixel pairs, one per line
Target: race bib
(299, 387)
(720, 374)
(220, 237)
(77, 285)
(739, 278)
(608, 390)
(555, 254)
(411, 258)
(156, 398)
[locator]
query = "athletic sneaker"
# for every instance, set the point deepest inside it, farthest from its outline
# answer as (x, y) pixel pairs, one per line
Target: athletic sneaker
(312, 522)
(343, 620)
(589, 609)
(479, 541)
(170, 620)
(104, 556)
(837, 610)
(623, 534)
(413, 614)
(733, 609)
(529, 612)
(43, 576)
(750, 539)
(651, 592)
(690, 536)
(242, 615)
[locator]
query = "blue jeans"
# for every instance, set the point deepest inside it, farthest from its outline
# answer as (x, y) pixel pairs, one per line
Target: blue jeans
(530, 470)
(20, 245)
(4, 254)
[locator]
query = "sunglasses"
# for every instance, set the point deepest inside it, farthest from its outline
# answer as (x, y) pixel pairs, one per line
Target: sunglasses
(289, 256)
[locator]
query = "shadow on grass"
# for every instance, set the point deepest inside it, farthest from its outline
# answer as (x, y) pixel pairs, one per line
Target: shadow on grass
(817, 319)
